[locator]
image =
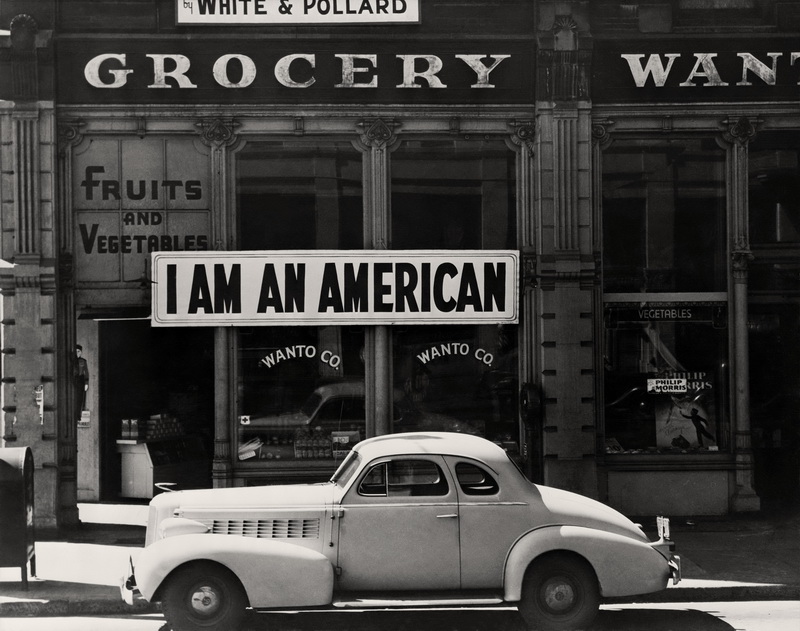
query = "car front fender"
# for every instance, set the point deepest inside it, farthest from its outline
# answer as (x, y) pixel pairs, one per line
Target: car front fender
(273, 573)
(624, 566)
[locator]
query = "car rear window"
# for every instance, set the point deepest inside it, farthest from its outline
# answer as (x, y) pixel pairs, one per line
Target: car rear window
(474, 480)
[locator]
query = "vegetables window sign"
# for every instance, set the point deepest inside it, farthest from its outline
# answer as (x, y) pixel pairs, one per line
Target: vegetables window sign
(335, 287)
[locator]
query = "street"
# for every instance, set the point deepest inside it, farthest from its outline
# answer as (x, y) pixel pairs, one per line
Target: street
(714, 616)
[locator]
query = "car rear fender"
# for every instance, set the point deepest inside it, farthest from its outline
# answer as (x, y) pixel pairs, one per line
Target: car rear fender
(623, 566)
(273, 573)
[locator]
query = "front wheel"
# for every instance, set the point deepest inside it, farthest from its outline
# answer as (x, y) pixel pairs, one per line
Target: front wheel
(204, 596)
(559, 593)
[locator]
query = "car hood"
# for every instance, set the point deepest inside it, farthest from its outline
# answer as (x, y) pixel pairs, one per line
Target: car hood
(571, 509)
(276, 497)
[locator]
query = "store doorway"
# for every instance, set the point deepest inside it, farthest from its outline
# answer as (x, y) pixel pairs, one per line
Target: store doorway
(775, 403)
(163, 379)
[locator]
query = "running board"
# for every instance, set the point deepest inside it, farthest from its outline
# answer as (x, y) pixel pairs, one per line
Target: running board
(417, 601)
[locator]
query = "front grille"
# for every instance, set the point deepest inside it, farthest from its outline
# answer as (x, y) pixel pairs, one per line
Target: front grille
(265, 528)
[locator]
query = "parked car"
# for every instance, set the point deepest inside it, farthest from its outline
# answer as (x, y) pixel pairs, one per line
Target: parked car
(437, 515)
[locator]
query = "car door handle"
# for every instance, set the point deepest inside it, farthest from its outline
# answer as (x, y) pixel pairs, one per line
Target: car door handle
(449, 515)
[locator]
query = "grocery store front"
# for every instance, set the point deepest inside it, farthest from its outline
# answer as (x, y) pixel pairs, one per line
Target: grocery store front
(286, 272)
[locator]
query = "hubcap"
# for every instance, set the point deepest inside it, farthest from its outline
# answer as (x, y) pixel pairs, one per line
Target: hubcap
(205, 601)
(559, 595)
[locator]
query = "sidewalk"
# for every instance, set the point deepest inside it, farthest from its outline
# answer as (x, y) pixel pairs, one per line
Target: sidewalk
(739, 558)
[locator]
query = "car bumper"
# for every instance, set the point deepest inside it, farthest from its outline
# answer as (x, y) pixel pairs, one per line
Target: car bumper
(127, 586)
(675, 568)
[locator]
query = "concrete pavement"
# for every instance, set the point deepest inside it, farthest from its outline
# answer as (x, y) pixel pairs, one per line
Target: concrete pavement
(737, 558)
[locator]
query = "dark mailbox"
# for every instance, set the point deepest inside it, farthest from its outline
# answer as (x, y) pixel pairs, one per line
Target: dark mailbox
(17, 544)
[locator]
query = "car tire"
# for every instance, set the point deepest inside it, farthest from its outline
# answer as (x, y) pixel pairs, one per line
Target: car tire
(559, 593)
(203, 596)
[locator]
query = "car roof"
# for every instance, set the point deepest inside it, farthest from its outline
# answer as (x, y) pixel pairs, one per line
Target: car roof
(441, 443)
(350, 388)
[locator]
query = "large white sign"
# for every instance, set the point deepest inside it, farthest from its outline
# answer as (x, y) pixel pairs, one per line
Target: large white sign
(296, 12)
(325, 287)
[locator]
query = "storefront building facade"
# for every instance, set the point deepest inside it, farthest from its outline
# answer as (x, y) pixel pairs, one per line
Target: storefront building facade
(272, 239)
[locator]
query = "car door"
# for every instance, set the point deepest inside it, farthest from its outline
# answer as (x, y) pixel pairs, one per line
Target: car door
(490, 521)
(399, 527)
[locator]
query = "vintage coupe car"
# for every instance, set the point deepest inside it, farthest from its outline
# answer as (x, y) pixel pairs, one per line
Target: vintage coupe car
(435, 515)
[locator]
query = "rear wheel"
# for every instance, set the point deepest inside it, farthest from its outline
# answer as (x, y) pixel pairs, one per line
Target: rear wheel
(204, 596)
(559, 593)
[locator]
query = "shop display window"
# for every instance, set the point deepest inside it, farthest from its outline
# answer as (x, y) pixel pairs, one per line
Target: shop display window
(457, 378)
(301, 392)
(665, 297)
(665, 386)
(456, 194)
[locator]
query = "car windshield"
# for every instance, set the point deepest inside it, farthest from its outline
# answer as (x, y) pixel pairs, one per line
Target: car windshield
(311, 404)
(346, 470)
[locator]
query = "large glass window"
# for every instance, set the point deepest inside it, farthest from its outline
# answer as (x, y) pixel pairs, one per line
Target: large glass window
(775, 188)
(664, 216)
(455, 194)
(300, 390)
(664, 283)
(299, 195)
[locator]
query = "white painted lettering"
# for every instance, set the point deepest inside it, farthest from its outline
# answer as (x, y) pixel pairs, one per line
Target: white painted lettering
(220, 71)
(92, 72)
(758, 68)
(160, 73)
(709, 72)
(429, 75)
(482, 70)
(653, 68)
(349, 71)
(283, 71)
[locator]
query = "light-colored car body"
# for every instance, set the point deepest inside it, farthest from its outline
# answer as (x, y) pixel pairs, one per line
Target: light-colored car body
(419, 513)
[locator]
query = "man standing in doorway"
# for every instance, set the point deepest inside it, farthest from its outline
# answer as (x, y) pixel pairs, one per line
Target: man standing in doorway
(80, 382)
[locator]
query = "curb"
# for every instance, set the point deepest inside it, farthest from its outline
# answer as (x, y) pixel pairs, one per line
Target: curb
(65, 607)
(714, 594)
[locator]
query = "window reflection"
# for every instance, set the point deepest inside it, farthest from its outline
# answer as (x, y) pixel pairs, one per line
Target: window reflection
(455, 194)
(300, 389)
(664, 216)
(295, 195)
(457, 378)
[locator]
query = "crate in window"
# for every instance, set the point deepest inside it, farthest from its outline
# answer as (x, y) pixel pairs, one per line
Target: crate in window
(163, 426)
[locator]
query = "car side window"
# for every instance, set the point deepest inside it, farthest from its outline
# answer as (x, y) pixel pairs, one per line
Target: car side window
(404, 478)
(374, 483)
(474, 480)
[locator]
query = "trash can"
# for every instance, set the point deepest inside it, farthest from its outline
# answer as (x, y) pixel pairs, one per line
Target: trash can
(17, 543)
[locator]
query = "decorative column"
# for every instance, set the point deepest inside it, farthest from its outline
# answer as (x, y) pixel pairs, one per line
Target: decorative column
(523, 139)
(69, 135)
(737, 134)
(567, 270)
(601, 139)
(220, 136)
(377, 139)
